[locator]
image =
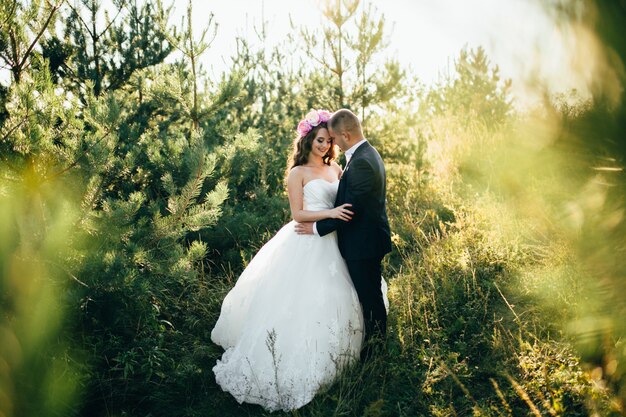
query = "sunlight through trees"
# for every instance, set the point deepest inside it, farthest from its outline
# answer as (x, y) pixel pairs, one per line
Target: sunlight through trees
(135, 187)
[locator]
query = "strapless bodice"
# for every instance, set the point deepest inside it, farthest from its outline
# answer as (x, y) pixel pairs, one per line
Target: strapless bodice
(320, 194)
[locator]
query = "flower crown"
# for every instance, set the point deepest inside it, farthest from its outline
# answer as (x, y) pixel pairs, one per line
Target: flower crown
(312, 119)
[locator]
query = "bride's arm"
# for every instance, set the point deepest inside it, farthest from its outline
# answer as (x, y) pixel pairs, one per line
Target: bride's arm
(295, 189)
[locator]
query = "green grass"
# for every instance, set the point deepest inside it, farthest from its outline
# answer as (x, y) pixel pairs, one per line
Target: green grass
(484, 285)
(467, 336)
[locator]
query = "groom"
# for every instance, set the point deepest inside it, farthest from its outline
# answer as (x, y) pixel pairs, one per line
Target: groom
(363, 241)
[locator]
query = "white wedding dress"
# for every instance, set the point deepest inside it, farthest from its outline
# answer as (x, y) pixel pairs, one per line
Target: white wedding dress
(292, 320)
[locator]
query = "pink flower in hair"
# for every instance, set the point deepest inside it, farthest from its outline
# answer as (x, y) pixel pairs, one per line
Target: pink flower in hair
(304, 127)
(312, 119)
(324, 115)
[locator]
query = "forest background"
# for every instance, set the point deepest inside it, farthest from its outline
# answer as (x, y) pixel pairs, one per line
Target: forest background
(135, 188)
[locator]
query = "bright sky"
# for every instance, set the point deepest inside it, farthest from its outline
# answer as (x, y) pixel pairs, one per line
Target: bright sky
(425, 35)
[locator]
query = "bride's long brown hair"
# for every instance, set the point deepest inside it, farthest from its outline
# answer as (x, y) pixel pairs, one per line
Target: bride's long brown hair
(302, 146)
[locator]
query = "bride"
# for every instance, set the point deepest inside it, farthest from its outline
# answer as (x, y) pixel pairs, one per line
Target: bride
(293, 319)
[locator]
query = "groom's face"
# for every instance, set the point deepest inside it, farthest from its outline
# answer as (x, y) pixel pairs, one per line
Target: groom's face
(338, 138)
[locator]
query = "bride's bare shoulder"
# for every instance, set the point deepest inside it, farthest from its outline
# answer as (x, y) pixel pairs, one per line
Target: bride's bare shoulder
(296, 171)
(296, 175)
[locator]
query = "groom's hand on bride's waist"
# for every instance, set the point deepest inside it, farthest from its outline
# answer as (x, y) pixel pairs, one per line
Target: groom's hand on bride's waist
(304, 228)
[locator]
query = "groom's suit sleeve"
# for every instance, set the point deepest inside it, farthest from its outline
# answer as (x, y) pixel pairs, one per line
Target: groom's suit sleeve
(360, 183)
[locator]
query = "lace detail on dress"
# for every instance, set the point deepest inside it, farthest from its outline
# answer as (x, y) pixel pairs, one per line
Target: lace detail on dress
(284, 385)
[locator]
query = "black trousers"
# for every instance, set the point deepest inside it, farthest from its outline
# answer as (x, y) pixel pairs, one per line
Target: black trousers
(366, 276)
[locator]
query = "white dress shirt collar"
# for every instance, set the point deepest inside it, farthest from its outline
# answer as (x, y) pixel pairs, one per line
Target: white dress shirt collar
(352, 149)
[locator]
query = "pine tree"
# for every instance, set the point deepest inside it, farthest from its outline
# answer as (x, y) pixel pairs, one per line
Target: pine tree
(474, 92)
(367, 43)
(330, 51)
(108, 54)
(351, 42)
(140, 185)
(23, 27)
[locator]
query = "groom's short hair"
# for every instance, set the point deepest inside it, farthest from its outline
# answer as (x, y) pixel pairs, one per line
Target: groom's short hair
(345, 120)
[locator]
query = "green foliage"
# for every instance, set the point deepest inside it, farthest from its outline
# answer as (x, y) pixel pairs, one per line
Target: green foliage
(106, 55)
(22, 26)
(351, 39)
(144, 263)
(40, 123)
(191, 49)
(473, 92)
(40, 374)
(592, 133)
(147, 186)
(133, 192)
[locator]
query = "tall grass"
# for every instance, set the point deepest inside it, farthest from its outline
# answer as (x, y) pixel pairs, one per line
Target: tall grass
(485, 282)
(484, 279)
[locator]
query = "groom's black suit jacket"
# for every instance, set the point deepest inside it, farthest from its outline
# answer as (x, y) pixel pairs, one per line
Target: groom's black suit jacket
(363, 185)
